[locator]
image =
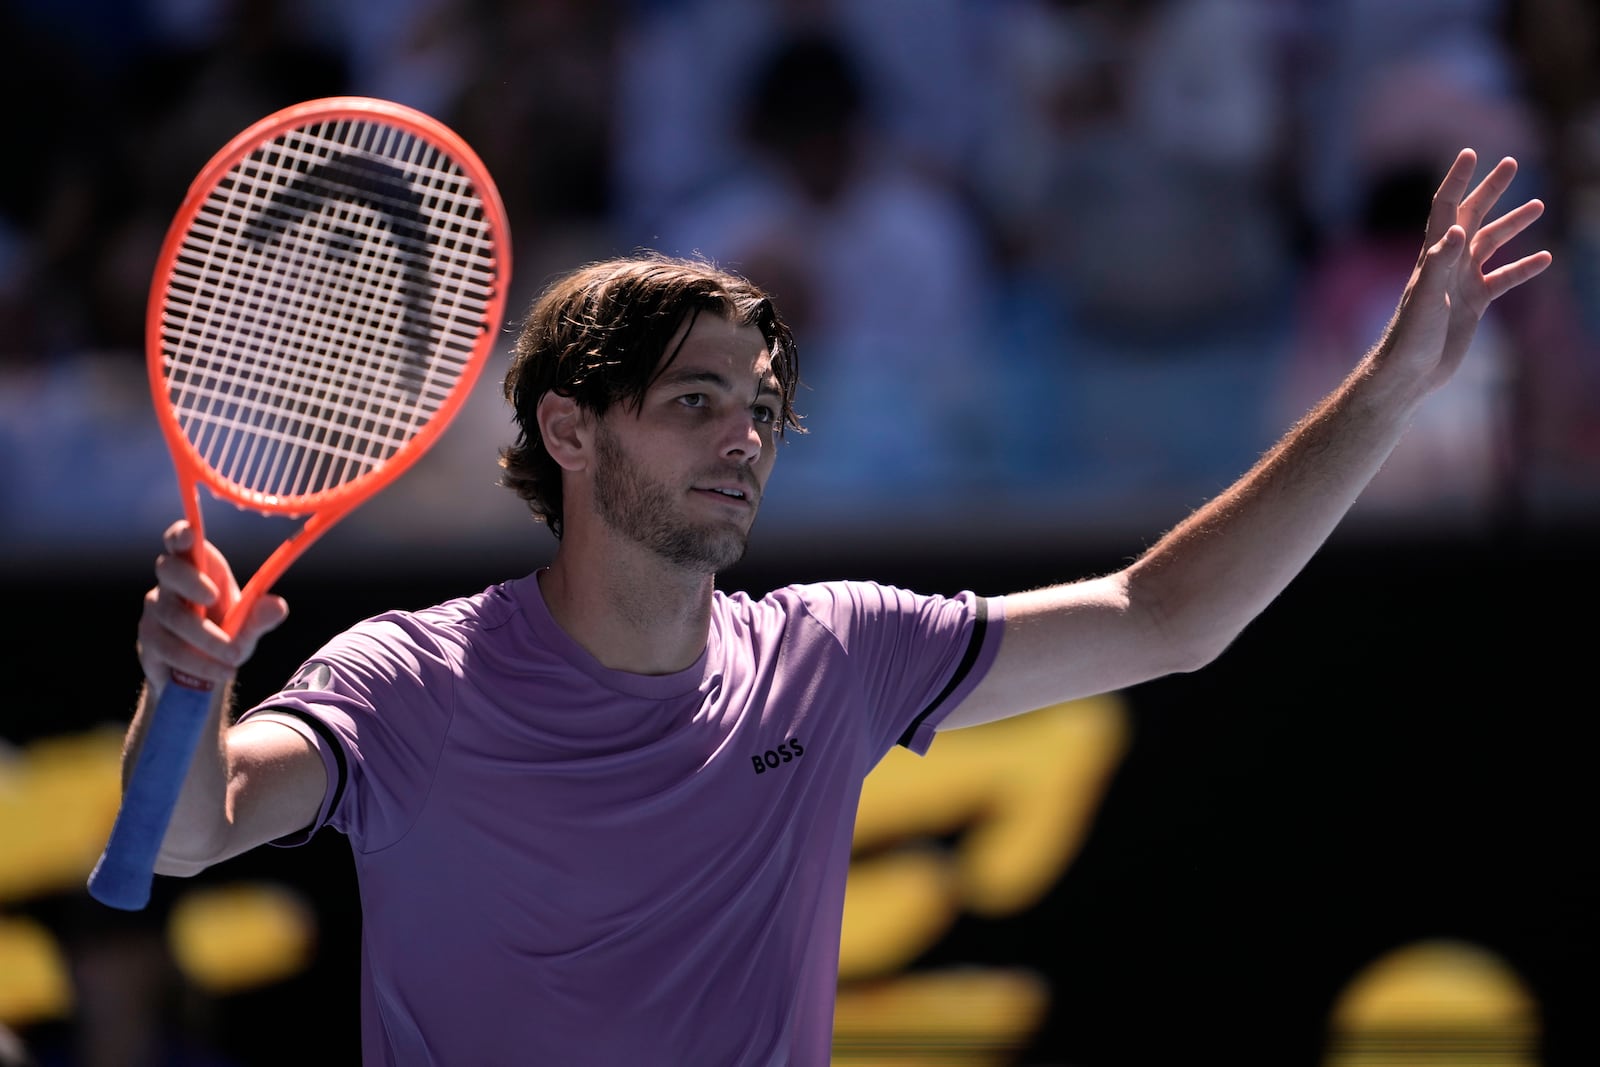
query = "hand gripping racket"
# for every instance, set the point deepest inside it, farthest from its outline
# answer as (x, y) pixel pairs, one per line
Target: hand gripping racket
(325, 298)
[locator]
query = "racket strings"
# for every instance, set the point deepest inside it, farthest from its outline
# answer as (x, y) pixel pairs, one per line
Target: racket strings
(328, 296)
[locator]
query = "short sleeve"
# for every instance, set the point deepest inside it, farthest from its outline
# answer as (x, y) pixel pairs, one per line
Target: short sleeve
(915, 657)
(376, 704)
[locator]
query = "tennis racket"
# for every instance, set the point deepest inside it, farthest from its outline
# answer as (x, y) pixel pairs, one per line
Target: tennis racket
(326, 295)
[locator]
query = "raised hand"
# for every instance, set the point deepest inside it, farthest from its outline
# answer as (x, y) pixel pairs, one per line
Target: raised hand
(1451, 287)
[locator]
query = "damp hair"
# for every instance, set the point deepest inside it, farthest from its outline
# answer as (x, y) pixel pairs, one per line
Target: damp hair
(599, 335)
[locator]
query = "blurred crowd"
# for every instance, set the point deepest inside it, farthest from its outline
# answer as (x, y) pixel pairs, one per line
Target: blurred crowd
(1051, 256)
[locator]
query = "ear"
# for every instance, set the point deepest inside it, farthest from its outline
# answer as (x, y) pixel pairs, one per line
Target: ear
(563, 427)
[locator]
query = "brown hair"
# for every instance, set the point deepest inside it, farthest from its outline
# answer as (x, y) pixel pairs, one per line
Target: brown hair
(600, 335)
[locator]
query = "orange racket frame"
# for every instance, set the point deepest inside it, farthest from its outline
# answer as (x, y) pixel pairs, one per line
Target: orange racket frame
(477, 265)
(328, 507)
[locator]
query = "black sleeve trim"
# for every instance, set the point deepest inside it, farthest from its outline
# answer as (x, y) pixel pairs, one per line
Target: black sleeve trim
(980, 623)
(328, 739)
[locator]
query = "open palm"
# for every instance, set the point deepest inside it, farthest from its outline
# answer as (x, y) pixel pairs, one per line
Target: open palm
(1450, 289)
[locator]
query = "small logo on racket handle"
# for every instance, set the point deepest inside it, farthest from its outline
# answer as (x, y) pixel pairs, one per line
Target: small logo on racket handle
(189, 681)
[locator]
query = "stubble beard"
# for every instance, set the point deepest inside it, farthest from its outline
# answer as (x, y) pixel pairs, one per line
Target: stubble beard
(644, 512)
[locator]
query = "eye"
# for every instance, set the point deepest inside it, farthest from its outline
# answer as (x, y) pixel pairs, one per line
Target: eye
(765, 414)
(693, 400)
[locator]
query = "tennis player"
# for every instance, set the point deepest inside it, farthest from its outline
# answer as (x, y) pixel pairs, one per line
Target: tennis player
(602, 813)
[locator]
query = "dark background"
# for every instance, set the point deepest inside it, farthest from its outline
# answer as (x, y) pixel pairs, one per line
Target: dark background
(1400, 748)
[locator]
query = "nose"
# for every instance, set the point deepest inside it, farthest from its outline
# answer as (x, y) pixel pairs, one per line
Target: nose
(742, 440)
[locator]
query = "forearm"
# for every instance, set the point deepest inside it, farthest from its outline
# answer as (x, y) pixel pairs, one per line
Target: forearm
(1210, 575)
(200, 820)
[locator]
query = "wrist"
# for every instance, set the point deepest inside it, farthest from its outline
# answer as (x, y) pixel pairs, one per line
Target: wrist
(1387, 384)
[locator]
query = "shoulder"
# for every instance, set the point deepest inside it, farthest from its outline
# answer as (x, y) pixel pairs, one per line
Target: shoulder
(819, 600)
(845, 606)
(417, 641)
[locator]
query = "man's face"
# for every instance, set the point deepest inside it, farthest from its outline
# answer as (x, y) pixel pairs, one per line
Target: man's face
(684, 475)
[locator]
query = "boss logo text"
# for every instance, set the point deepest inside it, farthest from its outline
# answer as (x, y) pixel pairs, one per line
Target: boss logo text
(773, 758)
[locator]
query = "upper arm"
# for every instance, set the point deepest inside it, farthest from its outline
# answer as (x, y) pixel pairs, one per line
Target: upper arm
(1066, 642)
(276, 783)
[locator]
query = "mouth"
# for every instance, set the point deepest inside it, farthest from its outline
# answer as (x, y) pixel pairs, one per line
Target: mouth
(732, 494)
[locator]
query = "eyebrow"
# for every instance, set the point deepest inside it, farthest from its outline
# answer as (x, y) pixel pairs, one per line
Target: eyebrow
(678, 377)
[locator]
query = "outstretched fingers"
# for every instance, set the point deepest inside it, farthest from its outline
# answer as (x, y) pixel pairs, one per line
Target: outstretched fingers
(1493, 236)
(1448, 200)
(1454, 206)
(1475, 208)
(1502, 280)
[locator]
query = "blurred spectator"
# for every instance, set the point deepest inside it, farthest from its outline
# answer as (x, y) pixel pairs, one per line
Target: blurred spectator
(39, 202)
(1140, 173)
(1136, 174)
(529, 86)
(1557, 45)
(879, 264)
(128, 140)
(61, 420)
(133, 139)
(684, 66)
(1349, 42)
(1047, 247)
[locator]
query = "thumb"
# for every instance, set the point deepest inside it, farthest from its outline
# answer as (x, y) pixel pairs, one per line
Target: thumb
(1428, 291)
(1436, 265)
(265, 615)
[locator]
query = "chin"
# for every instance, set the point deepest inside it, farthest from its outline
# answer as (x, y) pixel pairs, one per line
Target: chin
(701, 550)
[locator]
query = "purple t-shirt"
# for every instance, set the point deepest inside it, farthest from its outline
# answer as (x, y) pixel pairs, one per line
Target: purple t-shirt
(561, 863)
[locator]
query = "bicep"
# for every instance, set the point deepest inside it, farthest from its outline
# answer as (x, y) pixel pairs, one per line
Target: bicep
(276, 783)
(1067, 642)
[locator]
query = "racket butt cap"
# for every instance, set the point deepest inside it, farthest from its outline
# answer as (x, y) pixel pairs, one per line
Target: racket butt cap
(122, 890)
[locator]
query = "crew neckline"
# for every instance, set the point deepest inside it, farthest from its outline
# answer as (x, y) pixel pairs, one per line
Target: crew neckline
(536, 610)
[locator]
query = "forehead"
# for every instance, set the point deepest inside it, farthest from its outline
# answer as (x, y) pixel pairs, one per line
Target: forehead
(719, 346)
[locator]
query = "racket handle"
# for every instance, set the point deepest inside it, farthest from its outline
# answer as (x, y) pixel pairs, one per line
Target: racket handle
(126, 869)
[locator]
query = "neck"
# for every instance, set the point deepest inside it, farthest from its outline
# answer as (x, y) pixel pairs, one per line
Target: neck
(626, 607)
